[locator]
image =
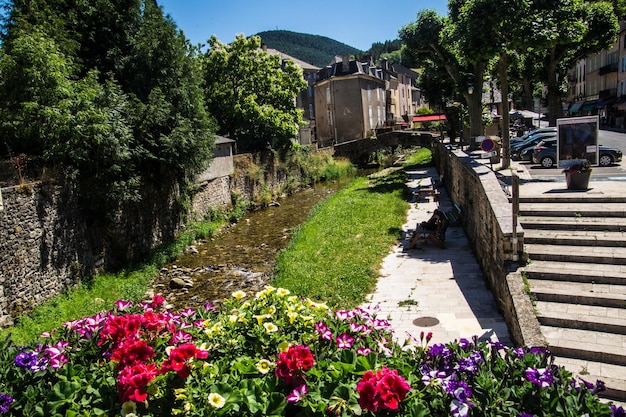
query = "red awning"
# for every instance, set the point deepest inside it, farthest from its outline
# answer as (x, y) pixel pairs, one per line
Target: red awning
(429, 118)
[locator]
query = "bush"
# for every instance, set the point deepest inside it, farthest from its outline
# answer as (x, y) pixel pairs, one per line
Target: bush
(276, 354)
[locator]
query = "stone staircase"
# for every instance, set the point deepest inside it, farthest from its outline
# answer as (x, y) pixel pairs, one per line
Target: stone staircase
(577, 277)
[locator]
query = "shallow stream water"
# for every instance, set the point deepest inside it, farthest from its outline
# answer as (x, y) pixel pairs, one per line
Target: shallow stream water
(242, 257)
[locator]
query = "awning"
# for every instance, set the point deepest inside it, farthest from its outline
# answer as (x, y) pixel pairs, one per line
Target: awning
(604, 102)
(576, 107)
(589, 105)
(429, 118)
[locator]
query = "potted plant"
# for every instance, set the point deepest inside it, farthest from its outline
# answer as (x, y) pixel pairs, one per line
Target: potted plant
(577, 175)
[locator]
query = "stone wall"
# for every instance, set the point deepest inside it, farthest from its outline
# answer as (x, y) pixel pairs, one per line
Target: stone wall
(43, 249)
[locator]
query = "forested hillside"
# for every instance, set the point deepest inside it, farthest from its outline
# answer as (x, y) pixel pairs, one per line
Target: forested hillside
(314, 49)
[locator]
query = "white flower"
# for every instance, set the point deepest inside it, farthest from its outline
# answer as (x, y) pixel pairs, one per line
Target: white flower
(270, 327)
(216, 400)
(264, 366)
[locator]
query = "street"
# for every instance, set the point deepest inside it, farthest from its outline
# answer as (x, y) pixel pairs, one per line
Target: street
(615, 172)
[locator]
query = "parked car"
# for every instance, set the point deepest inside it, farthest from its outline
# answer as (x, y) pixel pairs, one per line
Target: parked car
(545, 154)
(531, 142)
(519, 139)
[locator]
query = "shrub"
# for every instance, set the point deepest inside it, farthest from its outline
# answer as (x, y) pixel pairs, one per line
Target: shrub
(276, 354)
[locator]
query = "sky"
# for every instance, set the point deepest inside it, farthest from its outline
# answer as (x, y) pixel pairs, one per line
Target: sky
(357, 23)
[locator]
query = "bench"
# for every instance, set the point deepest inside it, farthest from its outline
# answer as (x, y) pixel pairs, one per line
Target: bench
(424, 192)
(438, 236)
(454, 215)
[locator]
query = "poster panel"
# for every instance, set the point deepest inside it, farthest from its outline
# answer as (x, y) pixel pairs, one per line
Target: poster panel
(577, 140)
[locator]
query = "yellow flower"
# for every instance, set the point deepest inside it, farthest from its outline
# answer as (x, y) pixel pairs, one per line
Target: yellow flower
(270, 310)
(270, 327)
(264, 366)
(282, 347)
(129, 407)
(292, 299)
(245, 305)
(281, 292)
(292, 317)
(317, 306)
(238, 294)
(232, 318)
(308, 319)
(260, 317)
(180, 394)
(216, 400)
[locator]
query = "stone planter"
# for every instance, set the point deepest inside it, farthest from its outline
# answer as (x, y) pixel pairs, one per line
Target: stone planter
(577, 180)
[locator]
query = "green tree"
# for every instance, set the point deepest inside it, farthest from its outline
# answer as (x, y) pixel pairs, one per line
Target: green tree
(437, 39)
(565, 32)
(77, 127)
(252, 94)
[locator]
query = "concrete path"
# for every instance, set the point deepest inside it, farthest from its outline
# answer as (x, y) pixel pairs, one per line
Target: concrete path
(436, 290)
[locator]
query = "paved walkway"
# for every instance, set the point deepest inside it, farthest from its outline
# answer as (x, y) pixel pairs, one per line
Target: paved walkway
(436, 290)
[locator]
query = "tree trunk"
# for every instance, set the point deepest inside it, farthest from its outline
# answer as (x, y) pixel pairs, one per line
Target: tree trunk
(504, 89)
(475, 103)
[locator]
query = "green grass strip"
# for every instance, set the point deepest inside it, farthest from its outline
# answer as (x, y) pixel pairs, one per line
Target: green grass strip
(336, 254)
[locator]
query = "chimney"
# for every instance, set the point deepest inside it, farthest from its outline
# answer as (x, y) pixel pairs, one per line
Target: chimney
(345, 63)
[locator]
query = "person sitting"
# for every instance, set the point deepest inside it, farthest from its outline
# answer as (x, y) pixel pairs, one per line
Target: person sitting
(426, 228)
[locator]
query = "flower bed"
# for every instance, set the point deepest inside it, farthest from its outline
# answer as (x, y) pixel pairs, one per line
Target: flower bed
(276, 354)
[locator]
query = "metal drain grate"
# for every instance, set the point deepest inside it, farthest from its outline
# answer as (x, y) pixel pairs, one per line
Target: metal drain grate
(425, 321)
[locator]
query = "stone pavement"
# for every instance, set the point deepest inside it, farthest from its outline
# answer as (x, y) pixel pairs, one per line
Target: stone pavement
(436, 290)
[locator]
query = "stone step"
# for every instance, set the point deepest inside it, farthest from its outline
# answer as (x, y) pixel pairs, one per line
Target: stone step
(592, 294)
(585, 254)
(575, 237)
(584, 197)
(576, 272)
(608, 320)
(532, 221)
(596, 209)
(614, 376)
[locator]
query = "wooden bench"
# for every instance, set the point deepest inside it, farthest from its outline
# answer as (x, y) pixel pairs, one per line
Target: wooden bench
(438, 236)
(426, 192)
(454, 215)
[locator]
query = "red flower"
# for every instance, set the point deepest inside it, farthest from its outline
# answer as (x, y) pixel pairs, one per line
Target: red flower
(382, 390)
(131, 351)
(293, 362)
(180, 358)
(132, 382)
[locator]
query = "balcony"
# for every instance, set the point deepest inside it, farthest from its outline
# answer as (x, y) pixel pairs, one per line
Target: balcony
(608, 93)
(608, 68)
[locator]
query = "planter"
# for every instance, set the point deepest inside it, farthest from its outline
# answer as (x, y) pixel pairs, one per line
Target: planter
(577, 180)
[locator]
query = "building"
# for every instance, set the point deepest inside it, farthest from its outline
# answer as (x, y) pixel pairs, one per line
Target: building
(402, 93)
(350, 101)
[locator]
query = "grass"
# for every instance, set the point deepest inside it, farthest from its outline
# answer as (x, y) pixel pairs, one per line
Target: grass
(336, 254)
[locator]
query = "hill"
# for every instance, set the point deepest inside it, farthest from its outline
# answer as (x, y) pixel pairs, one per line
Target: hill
(314, 49)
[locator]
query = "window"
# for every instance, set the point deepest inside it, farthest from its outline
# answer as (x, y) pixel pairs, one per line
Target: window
(369, 92)
(327, 95)
(311, 111)
(371, 114)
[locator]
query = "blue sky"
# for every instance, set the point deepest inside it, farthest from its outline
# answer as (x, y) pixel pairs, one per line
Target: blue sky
(355, 23)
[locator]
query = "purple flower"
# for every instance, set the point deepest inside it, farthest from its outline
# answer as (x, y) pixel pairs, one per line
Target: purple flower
(345, 314)
(30, 361)
(209, 307)
(541, 377)
(617, 411)
(345, 341)
(297, 394)
(5, 403)
(322, 329)
(123, 305)
(459, 389)
(363, 351)
(525, 415)
(464, 343)
(497, 344)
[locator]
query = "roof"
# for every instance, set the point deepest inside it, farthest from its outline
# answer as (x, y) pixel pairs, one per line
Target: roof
(219, 140)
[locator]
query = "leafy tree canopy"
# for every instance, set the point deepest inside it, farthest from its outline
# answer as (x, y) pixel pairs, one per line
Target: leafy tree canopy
(251, 93)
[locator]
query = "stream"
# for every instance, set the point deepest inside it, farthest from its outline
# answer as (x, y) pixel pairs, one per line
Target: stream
(241, 257)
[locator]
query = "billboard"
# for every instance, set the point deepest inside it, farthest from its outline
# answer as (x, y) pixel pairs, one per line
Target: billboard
(577, 140)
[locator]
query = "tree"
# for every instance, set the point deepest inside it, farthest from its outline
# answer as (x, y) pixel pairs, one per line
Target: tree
(432, 37)
(252, 94)
(565, 32)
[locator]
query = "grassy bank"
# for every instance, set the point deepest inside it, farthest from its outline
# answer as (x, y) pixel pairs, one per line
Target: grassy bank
(336, 254)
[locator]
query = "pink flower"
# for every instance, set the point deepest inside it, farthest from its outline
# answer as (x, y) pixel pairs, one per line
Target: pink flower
(180, 358)
(363, 351)
(292, 363)
(123, 305)
(297, 393)
(323, 330)
(180, 337)
(345, 314)
(345, 341)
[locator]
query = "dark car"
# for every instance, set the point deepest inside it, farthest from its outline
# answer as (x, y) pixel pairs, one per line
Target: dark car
(519, 139)
(530, 143)
(545, 154)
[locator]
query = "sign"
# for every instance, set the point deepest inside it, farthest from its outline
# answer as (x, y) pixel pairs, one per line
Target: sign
(577, 140)
(488, 145)
(489, 154)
